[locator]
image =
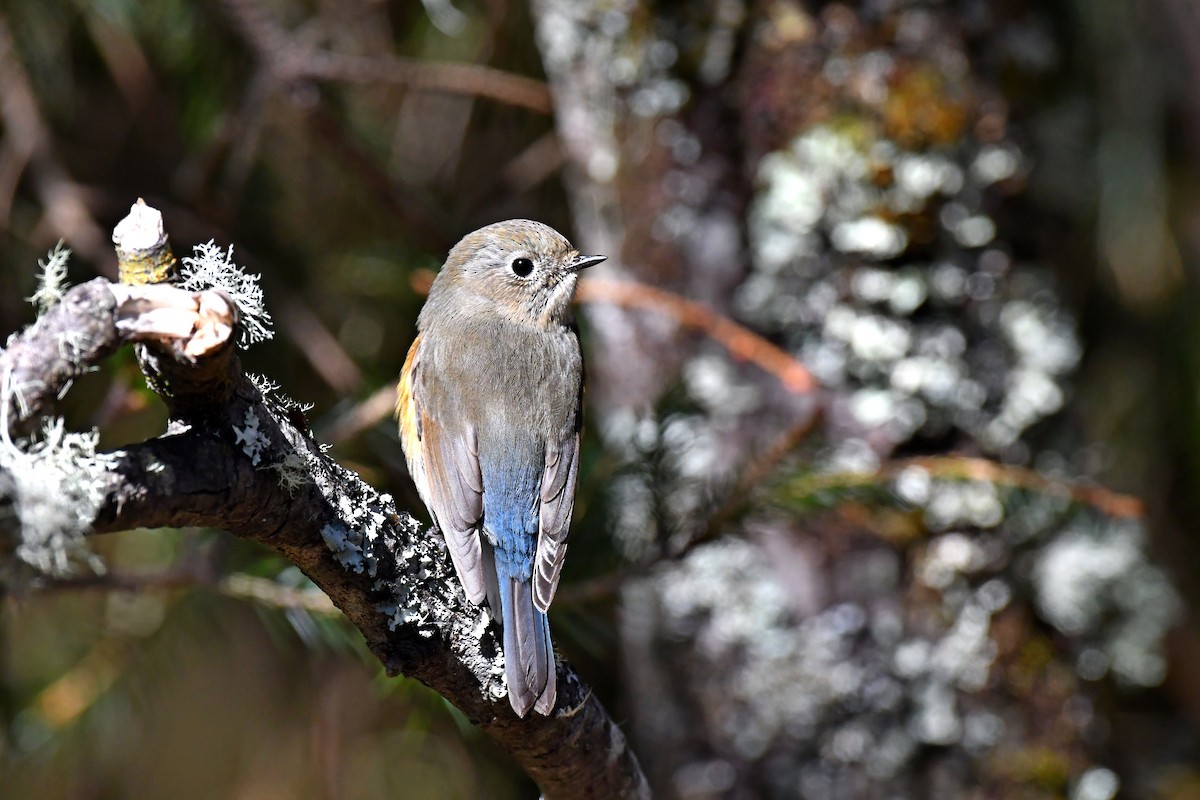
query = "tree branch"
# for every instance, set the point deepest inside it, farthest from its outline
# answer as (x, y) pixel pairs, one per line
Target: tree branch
(233, 458)
(291, 59)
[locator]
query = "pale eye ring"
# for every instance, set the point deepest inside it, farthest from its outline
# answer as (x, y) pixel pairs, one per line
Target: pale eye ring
(521, 267)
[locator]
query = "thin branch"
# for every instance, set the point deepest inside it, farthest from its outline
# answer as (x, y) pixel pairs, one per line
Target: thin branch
(420, 220)
(475, 80)
(741, 342)
(319, 346)
(743, 490)
(966, 468)
(284, 58)
(292, 60)
(269, 593)
(529, 168)
(970, 468)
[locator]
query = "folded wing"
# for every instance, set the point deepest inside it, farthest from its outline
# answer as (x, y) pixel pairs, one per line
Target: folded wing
(554, 518)
(448, 468)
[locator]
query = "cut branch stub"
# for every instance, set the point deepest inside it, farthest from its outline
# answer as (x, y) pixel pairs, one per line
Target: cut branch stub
(143, 251)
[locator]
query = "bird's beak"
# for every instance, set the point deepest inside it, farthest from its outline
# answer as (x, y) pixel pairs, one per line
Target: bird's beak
(583, 262)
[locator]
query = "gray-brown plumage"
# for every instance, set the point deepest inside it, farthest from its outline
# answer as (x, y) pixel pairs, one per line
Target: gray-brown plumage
(490, 413)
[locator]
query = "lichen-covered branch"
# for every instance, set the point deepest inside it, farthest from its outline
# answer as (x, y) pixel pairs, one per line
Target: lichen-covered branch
(233, 458)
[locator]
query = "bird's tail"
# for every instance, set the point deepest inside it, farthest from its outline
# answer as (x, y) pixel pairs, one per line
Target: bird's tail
(528, 653)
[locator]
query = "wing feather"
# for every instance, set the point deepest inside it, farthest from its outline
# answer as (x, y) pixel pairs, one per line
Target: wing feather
(554, 518)
(442, 452)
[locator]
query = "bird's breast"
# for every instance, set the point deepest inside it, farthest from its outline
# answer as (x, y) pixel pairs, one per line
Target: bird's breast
(512, 380)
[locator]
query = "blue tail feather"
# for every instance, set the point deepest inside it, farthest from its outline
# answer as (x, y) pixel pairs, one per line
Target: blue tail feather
(510, 499)
(528, 652)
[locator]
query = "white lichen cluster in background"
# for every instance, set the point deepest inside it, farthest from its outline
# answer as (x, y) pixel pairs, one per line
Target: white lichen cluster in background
(567, 34)
(798, 678)
(640, 80)
(1094, 583)
(820, 225)
(864, 682)
(214, 268)
(882, 268)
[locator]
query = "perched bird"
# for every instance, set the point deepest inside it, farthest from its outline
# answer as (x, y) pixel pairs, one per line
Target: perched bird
(489, 405)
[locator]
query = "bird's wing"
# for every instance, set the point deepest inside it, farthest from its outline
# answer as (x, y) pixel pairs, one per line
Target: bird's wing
(554, 517)
(447, 472)
(410, 422)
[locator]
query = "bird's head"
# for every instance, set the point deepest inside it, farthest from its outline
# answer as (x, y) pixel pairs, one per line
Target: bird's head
(522, 269)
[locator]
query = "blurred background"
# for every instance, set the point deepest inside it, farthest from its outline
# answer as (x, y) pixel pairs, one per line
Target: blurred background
(889, 482)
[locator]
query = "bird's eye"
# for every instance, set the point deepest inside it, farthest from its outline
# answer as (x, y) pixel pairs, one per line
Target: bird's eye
(521, 266)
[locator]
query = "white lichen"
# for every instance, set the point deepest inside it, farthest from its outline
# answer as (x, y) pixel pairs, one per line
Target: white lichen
(54, 483)
(214, 268)
(273, 395)
(1098, 783)
(52, 281)
(253, 441)
(346, 545)
(293, 472)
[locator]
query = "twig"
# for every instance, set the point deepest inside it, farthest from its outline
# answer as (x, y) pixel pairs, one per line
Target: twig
(741, 342)
(971, 468)
(292, 60)
(742, 491)
(244, 587)
(285, 60)
(606, 586)
(321, 348)
(474, 80)
(537, 162)
(419, 220)
(951, 467)
(269, 593)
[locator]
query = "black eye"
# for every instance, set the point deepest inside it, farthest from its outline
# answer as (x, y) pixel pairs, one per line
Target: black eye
(522, 266)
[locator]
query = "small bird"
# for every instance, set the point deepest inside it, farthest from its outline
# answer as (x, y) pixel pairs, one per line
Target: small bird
(490, 411)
